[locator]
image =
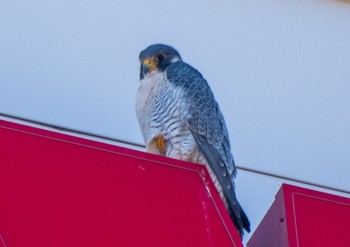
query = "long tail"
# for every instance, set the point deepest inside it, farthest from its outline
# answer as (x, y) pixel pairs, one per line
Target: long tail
(239, 218)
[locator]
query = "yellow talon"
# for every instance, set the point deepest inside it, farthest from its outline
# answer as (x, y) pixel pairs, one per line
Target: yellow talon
(161, 144)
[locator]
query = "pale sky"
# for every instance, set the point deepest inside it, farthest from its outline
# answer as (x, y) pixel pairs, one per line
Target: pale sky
(280, 71)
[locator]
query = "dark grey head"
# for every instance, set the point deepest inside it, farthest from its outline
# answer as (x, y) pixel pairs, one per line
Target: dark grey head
(157, 58)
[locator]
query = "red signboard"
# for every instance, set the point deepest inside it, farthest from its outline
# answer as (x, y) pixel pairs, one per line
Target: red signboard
(302, 217)
(60, 190)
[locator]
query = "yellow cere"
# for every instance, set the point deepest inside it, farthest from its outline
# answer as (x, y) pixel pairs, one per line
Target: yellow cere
(150, 63)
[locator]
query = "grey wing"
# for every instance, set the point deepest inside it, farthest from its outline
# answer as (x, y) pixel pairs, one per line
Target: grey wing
(204, 117)
(208, 127)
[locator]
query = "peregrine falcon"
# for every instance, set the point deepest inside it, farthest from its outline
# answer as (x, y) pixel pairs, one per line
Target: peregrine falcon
(180, 118)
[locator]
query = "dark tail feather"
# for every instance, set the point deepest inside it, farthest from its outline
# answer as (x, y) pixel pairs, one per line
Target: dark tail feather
(245, 220)
(239, 218)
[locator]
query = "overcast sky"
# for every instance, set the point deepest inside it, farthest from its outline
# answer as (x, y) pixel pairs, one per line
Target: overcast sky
(280, 71)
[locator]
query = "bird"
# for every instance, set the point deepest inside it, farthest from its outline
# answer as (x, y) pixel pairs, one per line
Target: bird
(180, 118)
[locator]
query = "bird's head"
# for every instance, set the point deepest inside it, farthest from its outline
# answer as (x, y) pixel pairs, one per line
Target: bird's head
(156, 58)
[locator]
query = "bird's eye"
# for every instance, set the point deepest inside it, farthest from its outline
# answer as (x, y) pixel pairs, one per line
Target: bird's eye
(160, 57)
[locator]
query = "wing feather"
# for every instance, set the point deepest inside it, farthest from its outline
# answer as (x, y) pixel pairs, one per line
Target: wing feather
(208, 127)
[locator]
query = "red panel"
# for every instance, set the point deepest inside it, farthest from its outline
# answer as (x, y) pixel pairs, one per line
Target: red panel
(302, 217)
(2, 243)
(318, 219)
(58, 190)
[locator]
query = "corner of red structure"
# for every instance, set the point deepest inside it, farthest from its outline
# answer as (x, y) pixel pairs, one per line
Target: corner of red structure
(272, 231)
(287, 191)
(82, 166)
(220, 207)
(309, 218)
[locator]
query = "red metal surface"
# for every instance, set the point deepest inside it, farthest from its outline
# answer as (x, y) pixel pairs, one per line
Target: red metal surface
(2, 243)
(272, 231)
(59, 190)
(303, 217)
(316, 218)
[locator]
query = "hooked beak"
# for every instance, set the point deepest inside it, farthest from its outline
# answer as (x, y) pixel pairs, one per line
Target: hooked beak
(147, 66)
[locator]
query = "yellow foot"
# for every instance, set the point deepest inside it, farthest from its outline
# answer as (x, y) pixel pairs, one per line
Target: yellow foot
(161, 143)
